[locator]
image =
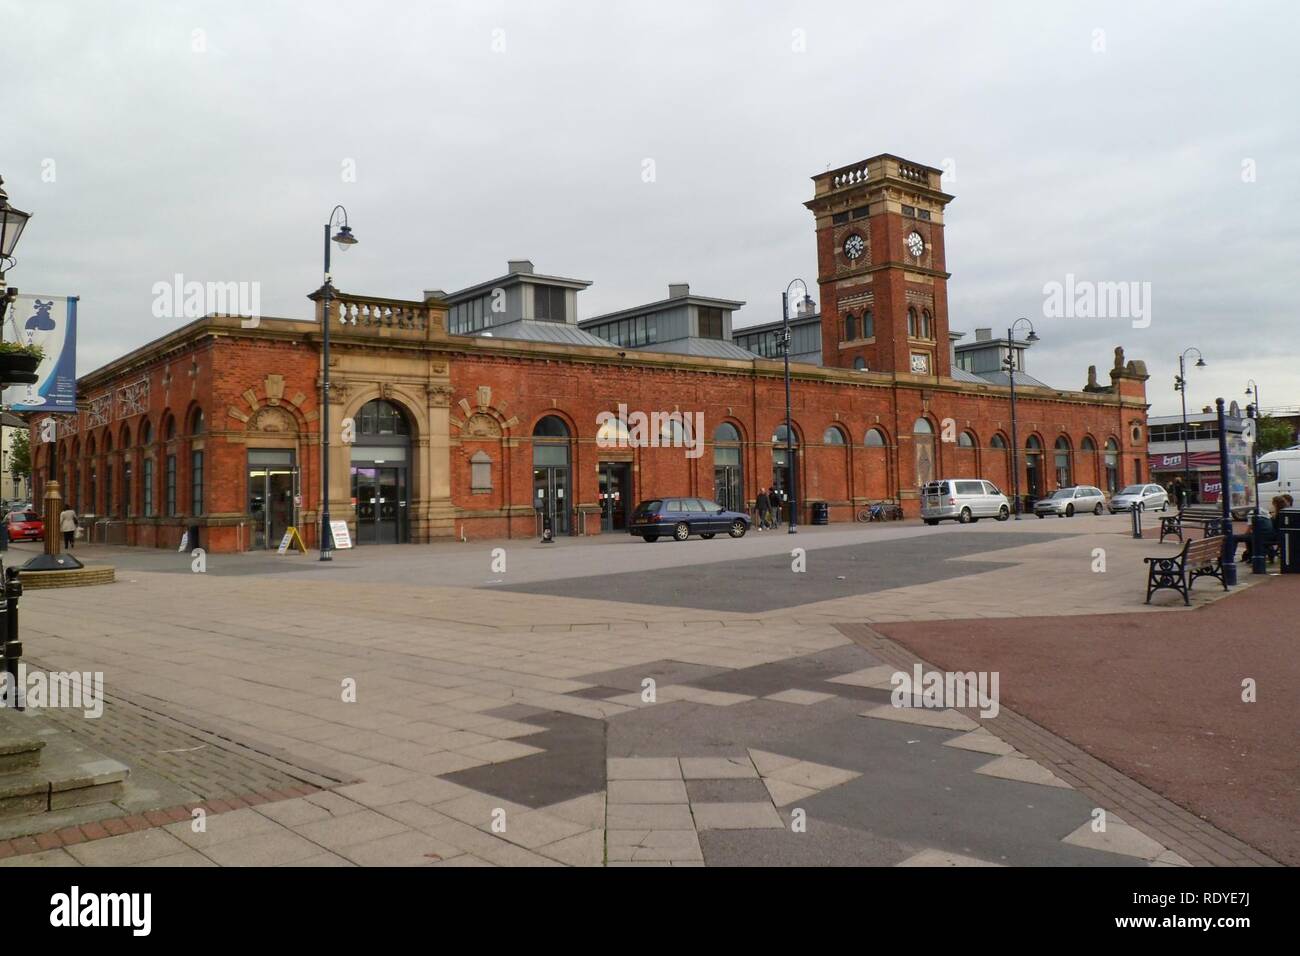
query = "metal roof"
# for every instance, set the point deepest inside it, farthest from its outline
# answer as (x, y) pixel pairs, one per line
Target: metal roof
(1001, 378)
(531, 330)
(707, 348)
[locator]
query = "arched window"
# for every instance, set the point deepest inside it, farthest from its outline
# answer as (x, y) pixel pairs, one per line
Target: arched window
(868, 325)
(922, 427)
(1112, 466)
(197, 423)
(833, 436)
(169, 428)
(726, 432)
(927, 325)
(381, 417)
(1087, 444)
(1064, 478)
(551, 427)
(965, 440)
(850, 327)
(997, 442)
(860, 364)
(912, 329)
(778, 436)
(923, 439)
(875, 438)
(146, 433)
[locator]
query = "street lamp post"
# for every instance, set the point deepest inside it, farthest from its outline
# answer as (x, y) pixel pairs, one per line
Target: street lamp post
(1180, 384)
(792, 480)
(1010, 363)
(1258, 560)
(345, 239)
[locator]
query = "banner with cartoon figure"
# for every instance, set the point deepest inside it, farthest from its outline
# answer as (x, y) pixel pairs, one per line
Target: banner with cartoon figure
(49, 321)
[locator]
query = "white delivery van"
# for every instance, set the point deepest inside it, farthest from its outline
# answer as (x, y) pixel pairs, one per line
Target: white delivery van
(1279, 474)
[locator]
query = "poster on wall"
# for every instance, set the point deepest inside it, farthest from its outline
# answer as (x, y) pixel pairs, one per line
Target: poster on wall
(1241, 465)
(49, 321)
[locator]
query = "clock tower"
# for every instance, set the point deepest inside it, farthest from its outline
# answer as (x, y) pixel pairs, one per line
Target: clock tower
(880, 267)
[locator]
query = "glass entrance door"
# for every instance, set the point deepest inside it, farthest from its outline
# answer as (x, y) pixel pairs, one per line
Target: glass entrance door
(271, 490)
(615, 492)
(379, 494)
(727, 487)
(551, 497)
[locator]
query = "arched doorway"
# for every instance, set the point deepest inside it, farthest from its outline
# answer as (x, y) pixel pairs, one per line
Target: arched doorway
(923, 439)
(1064, 473)
(381, 455)
(784, 471)
(551, 480)
(1112, 466)
(728, 473)
(1033, 470)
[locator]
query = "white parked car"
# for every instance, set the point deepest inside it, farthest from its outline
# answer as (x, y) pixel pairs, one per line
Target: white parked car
(1145, 497)
(1068, 502)
(963, 500)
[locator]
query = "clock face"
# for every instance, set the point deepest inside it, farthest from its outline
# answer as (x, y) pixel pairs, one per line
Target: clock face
(915, 244)
(854, 247)
(920, 362)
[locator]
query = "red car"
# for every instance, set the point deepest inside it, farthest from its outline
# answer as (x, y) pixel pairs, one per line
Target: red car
(25, 526)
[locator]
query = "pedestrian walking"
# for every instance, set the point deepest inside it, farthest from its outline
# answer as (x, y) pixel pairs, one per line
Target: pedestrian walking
(778, 499)
(68, 525)
(763, 505)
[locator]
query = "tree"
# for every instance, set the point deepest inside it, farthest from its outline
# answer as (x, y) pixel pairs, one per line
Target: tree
(1273, 433)
(20, 454)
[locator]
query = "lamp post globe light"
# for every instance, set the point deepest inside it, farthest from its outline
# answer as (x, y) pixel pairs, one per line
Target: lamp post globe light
(1009, 363)
(1180, 385)
(345, 240)
(792, 491)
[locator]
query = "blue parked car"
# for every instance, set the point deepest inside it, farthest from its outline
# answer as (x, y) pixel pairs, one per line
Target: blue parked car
(683, 517)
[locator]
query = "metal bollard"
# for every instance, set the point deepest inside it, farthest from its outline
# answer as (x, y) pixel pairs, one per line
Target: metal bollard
(1135, 513)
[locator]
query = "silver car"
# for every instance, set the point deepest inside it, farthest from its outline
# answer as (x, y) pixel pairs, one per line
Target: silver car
(1068, 502)
(1145, 497)
(963, 500)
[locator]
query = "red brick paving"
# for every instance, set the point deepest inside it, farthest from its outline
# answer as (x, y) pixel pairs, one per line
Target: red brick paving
(116, 826)
(1158, 697)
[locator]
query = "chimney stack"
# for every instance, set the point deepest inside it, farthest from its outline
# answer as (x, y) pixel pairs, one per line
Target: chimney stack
(519, 267)
(678, 290)
(983, 335)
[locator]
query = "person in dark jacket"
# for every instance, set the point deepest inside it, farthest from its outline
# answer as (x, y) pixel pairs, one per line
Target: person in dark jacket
(778, 500)
(764, 508)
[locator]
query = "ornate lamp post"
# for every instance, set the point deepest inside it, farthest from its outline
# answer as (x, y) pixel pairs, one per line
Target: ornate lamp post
(12, 223)
(1180, 386)
(1009, 363)
(1258, 562)
(793, 481)
(345, 241)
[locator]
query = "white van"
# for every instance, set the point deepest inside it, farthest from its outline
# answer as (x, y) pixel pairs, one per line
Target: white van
(1279, 474)
(963, 500)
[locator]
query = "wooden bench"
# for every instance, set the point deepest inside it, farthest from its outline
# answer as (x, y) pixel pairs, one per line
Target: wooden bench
(1179, 572)
(1209, 518)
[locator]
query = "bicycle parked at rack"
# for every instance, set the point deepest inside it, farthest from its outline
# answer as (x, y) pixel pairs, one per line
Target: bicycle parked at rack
(882, 511)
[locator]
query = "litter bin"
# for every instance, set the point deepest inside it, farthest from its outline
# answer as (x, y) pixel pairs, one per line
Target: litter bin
(821, 513)
(1288, 532)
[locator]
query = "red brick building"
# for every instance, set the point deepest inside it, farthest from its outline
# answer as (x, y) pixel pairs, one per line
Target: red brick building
(478, 431)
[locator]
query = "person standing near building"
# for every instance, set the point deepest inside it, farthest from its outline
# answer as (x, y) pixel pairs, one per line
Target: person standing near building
(68, 525)
(763, 505)
(778, 499)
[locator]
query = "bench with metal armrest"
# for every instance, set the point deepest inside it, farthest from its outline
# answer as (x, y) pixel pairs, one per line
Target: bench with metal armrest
(1178, 572)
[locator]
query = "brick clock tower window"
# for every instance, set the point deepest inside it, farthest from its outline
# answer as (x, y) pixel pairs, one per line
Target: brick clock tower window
(850, 327)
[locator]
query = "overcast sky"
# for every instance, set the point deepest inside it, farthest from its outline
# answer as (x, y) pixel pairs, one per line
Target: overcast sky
(1154, 143)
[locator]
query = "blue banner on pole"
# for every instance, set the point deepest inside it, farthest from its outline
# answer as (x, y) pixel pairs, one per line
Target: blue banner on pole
(49, 321)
